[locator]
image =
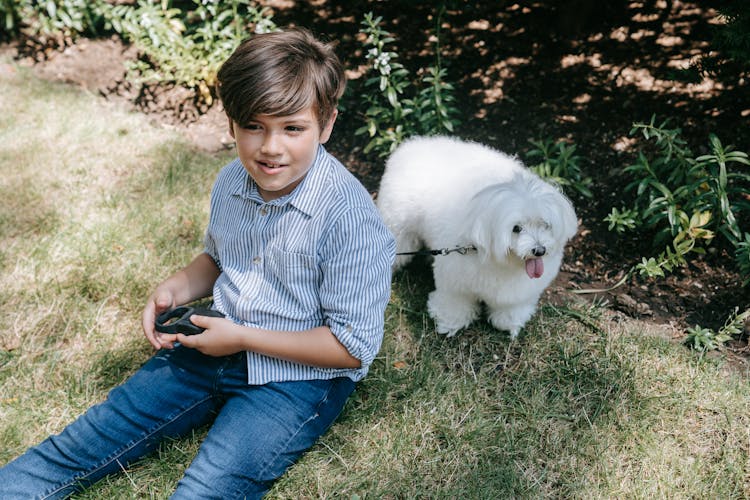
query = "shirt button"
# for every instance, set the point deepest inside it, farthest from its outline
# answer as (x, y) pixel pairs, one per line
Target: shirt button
(263, 211)
(349, 328)
(256, 260)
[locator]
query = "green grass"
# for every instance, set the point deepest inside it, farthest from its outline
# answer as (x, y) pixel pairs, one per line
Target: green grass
(99, 205)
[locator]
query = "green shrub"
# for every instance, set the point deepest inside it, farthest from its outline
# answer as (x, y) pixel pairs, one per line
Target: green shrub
(705, 339)
(10, 18)
(186, 48)
(731, 42)
(559, 164)
(54, 20)
(179, 46)
(391, 116)
(686, 200)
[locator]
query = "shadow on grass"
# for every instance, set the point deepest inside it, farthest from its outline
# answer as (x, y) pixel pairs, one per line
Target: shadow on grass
(476, 416)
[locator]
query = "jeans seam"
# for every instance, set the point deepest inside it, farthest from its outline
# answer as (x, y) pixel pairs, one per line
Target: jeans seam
(112, 458)
(283, 446)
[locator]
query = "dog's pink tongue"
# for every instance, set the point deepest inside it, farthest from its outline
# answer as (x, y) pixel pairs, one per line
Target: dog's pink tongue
(534, 268)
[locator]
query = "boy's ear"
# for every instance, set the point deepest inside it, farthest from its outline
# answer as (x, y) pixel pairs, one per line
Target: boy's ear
(325, 134)
(231, 127)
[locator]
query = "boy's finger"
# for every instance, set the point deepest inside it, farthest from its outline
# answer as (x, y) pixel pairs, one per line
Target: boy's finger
(163, 301)
(153, 340)
(147, 323)
(166, 340)
(191, 341)
(202, 321)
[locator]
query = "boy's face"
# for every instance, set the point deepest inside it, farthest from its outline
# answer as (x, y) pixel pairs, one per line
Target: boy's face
(277, 151)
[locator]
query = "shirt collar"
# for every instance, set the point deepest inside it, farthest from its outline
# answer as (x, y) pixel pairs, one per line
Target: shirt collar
(306, 196)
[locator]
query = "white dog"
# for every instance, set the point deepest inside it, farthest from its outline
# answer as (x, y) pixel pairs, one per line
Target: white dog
(443, 193)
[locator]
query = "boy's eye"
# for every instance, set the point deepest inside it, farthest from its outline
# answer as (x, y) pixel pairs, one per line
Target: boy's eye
(252, 126)
(294, 128)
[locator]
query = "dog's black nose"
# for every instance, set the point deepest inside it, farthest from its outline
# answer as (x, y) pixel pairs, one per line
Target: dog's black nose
(539, 251)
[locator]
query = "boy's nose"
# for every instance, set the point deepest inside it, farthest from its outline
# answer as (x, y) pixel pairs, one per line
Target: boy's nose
(270, 144)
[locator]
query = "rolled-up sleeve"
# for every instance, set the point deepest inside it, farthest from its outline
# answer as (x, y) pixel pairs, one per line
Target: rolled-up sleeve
(357, 258)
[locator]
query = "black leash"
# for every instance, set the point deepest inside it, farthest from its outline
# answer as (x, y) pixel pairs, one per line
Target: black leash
(442, 251)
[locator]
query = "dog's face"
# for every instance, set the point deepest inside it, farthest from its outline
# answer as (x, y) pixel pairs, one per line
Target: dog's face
(523, 220)
(530, 240)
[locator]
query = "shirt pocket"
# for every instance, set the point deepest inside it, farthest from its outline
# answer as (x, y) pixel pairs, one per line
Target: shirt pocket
(295, 279)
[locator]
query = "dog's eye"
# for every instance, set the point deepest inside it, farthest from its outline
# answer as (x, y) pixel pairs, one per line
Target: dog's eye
(517, 229)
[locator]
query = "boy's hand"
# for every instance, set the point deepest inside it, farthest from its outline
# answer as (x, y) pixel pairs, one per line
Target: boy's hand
(160, 301)
(222, 337)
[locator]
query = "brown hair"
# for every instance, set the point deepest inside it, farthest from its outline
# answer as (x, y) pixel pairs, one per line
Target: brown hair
(281, 73)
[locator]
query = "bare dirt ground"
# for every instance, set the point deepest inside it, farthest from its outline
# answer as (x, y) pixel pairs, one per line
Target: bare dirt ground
(583, 74)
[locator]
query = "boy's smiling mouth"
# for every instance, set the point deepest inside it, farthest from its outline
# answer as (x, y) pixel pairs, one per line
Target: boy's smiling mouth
(269, 165)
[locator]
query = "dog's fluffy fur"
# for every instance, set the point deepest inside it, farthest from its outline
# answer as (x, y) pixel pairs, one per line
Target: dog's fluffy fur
(440, 193)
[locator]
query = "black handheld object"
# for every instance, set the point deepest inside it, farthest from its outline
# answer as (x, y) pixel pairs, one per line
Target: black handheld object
(177, 320)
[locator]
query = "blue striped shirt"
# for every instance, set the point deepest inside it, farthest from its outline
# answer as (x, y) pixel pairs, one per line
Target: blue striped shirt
(320, 255)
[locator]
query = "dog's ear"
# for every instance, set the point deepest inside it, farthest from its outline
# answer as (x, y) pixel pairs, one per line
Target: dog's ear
(567, 222)
(490, 217)
(554, 207)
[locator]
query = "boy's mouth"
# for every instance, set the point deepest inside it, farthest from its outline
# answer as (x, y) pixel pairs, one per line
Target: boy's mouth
(269, 165)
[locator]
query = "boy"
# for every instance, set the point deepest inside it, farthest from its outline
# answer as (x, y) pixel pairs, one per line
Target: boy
(296, 258)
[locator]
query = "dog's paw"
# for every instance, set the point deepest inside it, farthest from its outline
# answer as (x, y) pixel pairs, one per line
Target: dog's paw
(448, 332)
(511, 320)
(449, 328)
(505, 327)
(450, 312)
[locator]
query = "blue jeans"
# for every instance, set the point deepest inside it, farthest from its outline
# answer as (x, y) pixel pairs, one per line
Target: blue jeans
(257, 431)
